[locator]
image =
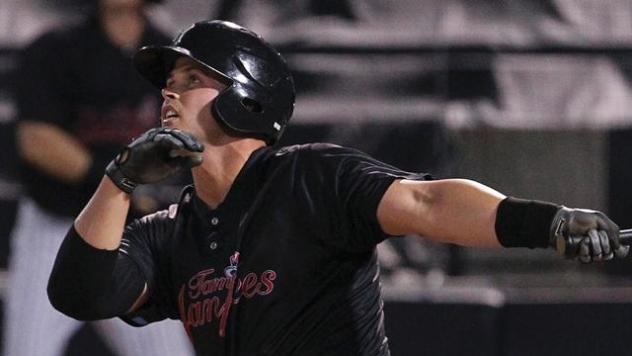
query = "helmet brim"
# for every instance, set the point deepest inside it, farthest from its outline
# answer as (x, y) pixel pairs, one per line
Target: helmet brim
(155, 62)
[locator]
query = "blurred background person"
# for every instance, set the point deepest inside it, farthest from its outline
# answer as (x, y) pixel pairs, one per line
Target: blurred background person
(78, 101)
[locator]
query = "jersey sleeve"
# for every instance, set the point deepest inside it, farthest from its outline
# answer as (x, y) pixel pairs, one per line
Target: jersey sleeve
(145, 242)
(42, 81)
(354, 184)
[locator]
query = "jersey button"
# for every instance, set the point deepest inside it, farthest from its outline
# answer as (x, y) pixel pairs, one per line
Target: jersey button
(213, 245)
(214, 221)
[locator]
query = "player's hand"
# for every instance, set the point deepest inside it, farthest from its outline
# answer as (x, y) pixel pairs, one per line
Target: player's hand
(587, 235)
(154, 156)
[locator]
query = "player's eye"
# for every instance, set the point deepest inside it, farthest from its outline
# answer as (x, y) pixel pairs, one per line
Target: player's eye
(169, 84)
(193, 80)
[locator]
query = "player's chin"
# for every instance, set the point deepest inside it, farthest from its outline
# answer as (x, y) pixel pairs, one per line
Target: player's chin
(168, 123)
(176, 124)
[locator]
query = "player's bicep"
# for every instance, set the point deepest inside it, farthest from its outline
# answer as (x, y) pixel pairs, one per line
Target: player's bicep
(457, 211)
(403, 207)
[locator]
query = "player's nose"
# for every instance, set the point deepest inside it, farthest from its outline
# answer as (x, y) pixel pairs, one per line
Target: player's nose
(168, 94)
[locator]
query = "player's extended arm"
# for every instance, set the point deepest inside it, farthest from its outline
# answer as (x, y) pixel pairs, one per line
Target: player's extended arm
(468, 213)
(53, 151)
(90, 280)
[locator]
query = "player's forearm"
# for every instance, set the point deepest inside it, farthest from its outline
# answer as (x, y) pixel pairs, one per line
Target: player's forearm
(53, 151)
(102, 221)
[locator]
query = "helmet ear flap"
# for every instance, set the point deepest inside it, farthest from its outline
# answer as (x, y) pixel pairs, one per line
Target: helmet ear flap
(252, 105)
(241, 114)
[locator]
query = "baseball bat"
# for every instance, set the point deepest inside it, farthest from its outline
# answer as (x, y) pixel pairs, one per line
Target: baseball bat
(625, 236)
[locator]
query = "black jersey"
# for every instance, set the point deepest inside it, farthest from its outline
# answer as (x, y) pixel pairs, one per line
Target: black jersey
(286, 265)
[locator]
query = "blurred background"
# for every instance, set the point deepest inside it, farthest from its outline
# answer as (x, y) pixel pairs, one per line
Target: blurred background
(531, 97)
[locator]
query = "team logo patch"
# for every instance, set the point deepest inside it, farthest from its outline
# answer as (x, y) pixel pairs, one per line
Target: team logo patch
(209, 294)
(231, 270)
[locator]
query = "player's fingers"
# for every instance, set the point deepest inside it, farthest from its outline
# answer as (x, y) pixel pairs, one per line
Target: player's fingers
(613, 237)
(622, 251)
(595, 245)
(189, 141)
(166, 140)
(188, 161)
(151, 132)
(584, 251)
(605, 245)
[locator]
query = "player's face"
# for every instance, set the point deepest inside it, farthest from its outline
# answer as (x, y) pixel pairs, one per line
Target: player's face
(188, 94)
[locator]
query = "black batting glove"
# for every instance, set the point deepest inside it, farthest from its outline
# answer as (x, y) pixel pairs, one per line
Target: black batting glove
(154, 156)
(587, 235)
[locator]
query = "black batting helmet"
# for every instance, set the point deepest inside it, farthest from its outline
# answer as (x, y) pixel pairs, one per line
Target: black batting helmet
(259, 99)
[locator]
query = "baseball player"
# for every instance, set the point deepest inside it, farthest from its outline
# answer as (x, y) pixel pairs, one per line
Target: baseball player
(272, 250)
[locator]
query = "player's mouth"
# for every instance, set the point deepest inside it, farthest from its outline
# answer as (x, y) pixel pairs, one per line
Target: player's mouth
(169, 116)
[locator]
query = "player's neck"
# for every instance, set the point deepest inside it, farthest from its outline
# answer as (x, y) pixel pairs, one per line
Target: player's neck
(221, 165)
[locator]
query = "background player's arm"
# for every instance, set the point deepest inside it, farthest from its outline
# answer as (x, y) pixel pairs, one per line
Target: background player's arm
(53, 151)
(455, 211)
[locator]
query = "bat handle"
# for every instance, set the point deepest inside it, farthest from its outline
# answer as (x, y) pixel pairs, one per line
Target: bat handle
(625, 236)
(569, 245)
